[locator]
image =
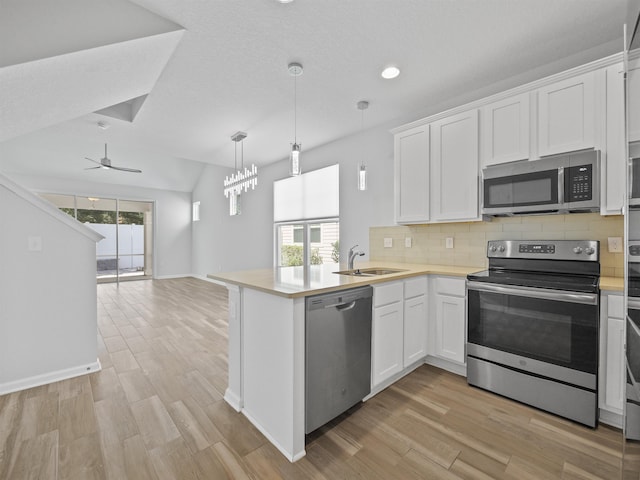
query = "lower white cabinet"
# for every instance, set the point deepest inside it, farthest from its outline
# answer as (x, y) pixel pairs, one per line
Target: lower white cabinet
(386, 355)
(449, 320)
(612, 372)
(399, 333)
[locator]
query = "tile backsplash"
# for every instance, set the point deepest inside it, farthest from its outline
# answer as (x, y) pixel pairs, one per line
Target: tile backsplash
(428, 242)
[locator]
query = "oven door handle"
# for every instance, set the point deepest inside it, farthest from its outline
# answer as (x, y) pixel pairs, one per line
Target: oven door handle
(560, 296)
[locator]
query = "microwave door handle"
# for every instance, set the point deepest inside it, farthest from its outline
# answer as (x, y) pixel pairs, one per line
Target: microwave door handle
(542, 294)
(561, 199)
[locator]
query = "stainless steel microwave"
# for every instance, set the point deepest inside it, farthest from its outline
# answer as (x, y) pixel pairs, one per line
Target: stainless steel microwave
(634, 177)
(559, 184)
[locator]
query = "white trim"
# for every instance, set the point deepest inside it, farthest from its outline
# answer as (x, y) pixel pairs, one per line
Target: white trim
(291, 456)
(233, 400)
(207, 279)
(48, 208)
(611, 418)
(46, 378)
(167, 277)
(447, 365)
(527, 87)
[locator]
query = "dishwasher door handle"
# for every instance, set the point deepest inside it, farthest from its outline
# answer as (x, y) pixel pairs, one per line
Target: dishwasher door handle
(342, 306)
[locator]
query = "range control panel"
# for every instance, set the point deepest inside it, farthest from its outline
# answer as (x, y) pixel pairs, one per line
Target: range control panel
(583, 250)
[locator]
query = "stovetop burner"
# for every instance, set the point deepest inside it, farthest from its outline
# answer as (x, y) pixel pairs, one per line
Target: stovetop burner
(569, 265)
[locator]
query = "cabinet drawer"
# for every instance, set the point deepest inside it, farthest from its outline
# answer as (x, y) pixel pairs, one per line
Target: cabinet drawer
(450, 286)
(615, 306)
(387, 293)
(415, 287)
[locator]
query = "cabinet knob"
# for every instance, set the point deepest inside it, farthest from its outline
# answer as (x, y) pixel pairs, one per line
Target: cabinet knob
(589, 251)
(577, 250)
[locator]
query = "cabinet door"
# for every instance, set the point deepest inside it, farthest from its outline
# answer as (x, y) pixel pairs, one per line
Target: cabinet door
(633, 98)
(454, 167)
(415, 329)
(450, 328)
(566, 116)
(505, 135)
(411, 155)
(615, 380)
(387, 342)
(613, 167)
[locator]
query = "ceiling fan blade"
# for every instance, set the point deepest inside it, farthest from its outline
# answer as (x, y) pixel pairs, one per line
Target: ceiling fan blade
(123, 169)
(92, 160)
(92, 168)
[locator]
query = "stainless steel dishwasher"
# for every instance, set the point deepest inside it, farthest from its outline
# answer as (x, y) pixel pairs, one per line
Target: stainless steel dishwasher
(338, 353)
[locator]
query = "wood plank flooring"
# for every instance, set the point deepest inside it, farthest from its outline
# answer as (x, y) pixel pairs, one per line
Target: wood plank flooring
(155, 411)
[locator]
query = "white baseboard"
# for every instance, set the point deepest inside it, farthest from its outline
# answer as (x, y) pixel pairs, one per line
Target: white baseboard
(207, 279)
(447, 365)
(234, 400)
(46, 378)
(168, 277)
(291, 456)
(611, 418)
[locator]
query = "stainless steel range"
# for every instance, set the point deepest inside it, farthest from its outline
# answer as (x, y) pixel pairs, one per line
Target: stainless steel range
(533, 325)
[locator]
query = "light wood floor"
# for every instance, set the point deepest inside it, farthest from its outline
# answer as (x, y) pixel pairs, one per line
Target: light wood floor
(155, 411)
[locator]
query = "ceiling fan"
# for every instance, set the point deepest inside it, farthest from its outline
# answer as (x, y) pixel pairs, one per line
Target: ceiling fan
(105, 163)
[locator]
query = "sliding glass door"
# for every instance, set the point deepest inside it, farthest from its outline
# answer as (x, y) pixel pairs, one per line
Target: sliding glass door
(126, 252)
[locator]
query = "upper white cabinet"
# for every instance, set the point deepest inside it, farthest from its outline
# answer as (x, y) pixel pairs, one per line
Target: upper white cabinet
(505, 136)
(613, 156)
(633, 89)
(411, 154)
(454, 168)
(566, 117)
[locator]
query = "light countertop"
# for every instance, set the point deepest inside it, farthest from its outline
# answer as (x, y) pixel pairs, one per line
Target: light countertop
(292, 282)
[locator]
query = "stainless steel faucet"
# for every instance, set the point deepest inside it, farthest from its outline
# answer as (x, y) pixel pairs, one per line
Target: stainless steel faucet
(353, 254)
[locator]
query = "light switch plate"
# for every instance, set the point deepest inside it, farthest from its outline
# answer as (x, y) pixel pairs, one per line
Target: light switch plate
(615, 244)
(407, 242)
(448, 242)
(388, 242)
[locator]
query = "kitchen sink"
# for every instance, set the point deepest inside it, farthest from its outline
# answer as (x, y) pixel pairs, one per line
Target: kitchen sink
(369, 272)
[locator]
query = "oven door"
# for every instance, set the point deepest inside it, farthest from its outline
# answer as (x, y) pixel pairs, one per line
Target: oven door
(545, 332)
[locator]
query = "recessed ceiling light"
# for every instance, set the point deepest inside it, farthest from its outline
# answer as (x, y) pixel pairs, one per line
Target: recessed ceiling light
(390, 72)
(285, 1)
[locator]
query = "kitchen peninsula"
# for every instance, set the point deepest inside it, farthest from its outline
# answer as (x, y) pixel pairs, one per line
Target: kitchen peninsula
(267, 338)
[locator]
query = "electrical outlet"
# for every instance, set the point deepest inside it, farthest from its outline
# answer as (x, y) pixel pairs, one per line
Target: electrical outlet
(407, 242)
(448, 242)
(615, 244)
(388, 242)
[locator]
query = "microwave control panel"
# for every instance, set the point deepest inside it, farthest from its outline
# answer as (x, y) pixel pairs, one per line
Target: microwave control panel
(578, 183)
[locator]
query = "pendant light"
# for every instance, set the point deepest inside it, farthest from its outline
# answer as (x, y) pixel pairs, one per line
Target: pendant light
(241, 179)
(295, 70)
(362, 168)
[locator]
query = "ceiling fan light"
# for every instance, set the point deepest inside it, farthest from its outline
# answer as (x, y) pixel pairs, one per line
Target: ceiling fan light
(390, 72)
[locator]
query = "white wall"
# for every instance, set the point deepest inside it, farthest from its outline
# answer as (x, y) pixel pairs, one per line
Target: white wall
(225, 243)
(48, 317)
(172, 232)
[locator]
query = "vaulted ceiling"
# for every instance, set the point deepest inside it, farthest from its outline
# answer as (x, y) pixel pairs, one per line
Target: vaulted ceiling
(175, 79)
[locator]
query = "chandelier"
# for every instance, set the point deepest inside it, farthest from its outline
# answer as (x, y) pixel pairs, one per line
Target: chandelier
(242, 179)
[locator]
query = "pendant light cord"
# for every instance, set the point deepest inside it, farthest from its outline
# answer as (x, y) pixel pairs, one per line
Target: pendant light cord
(295, 109)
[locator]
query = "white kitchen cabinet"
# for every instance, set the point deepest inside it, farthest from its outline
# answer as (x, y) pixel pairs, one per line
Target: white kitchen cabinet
(566, 115)
(415, 320)
(613, 162)
(387, 332)
(506, 131)
(454, 168)
(411, 157)
(449, 322)
(633, 93)
(399, 327)
(612, 371)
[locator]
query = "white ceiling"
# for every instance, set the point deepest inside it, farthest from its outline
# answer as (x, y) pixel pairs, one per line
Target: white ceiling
(227, 71)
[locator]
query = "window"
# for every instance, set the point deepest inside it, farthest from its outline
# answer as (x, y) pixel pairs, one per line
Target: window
(307, 225)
